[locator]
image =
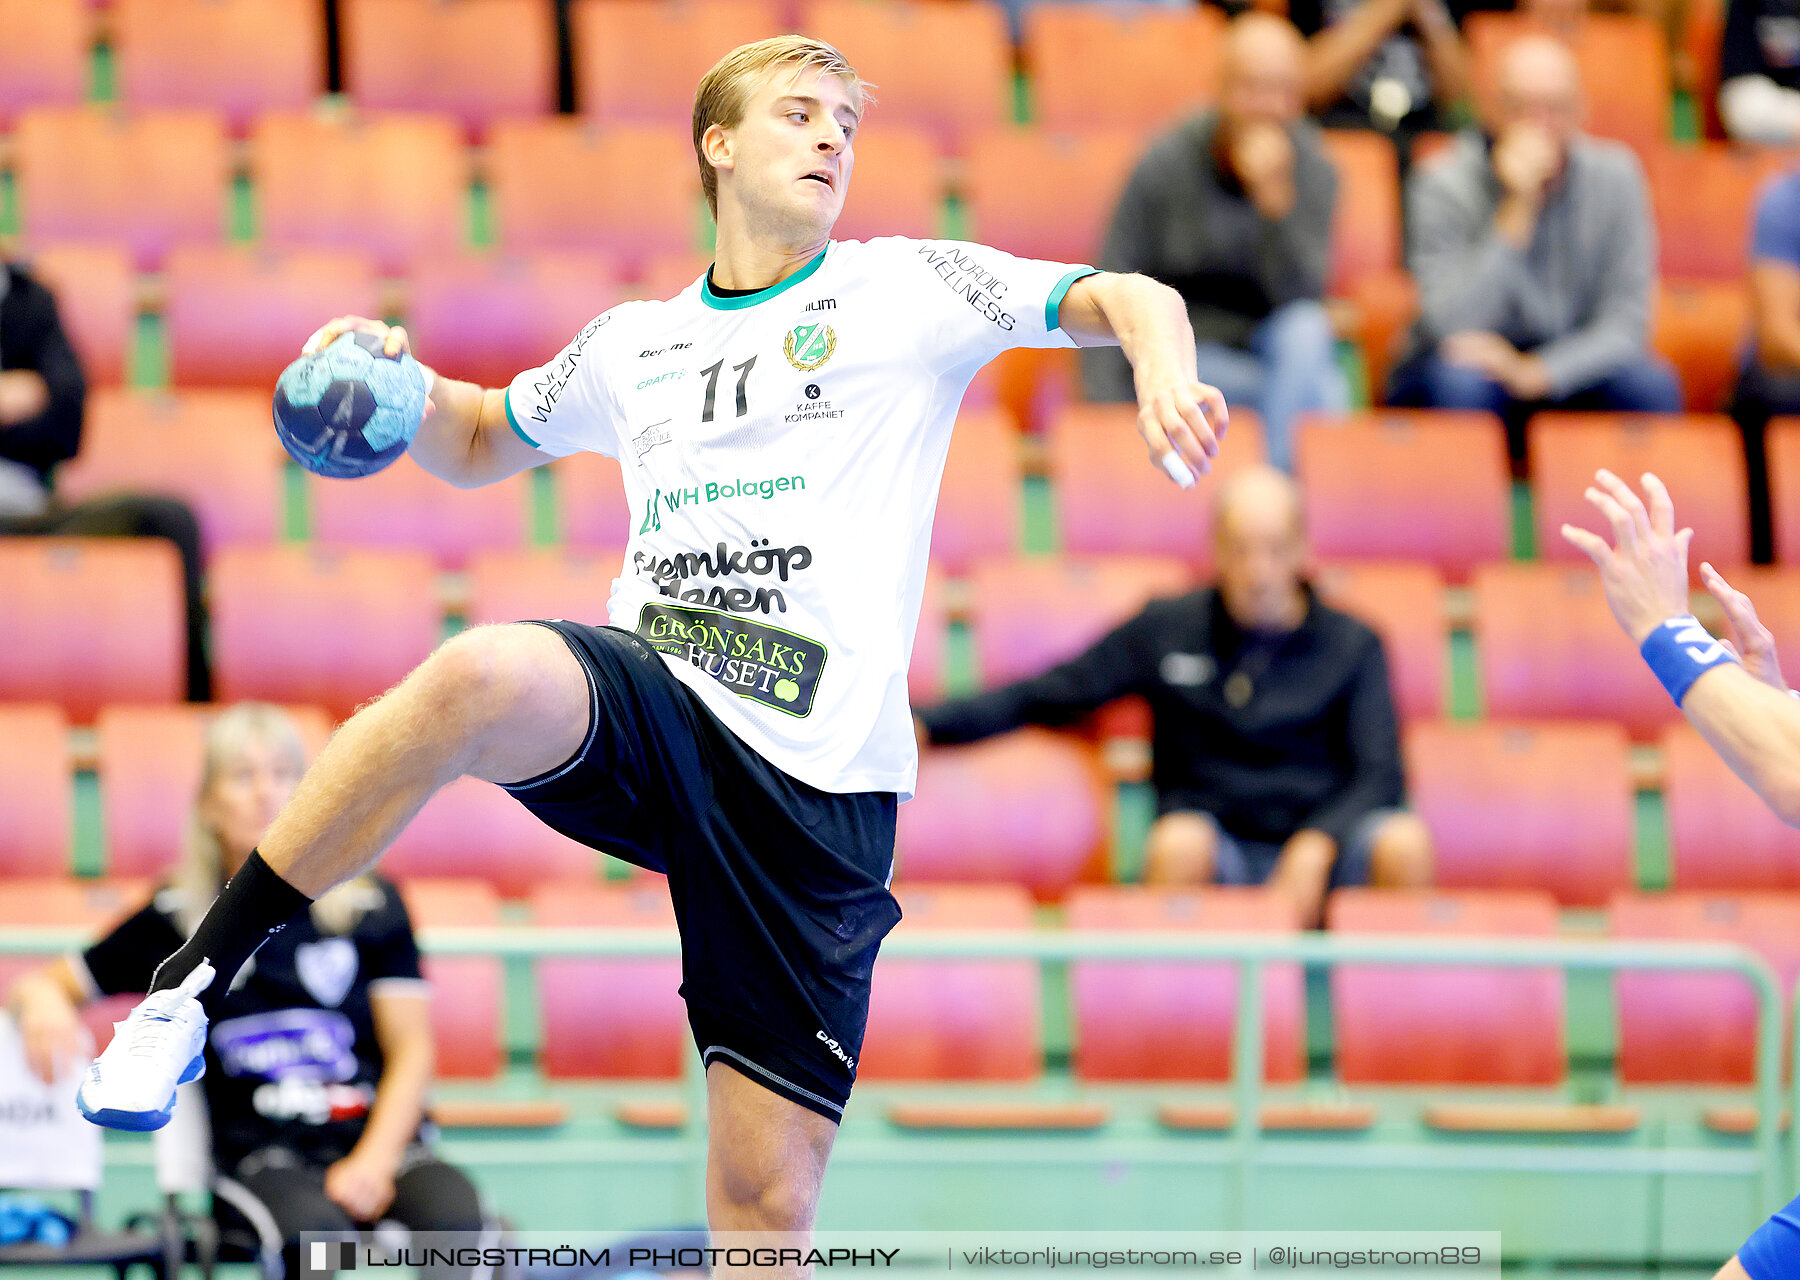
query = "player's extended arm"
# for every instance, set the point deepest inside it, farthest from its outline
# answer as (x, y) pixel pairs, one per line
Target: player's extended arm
(464, 438)
(1179, 417)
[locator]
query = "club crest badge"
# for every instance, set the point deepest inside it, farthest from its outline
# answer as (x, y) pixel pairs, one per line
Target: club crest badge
(809, 345)
(327, 968)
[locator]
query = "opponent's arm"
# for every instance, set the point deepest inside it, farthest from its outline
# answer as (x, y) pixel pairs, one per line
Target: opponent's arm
(362, 1183)
(44, 1002)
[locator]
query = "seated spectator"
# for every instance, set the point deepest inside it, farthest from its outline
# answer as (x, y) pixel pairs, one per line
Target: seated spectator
(1769, 381)
(42, 394)
(319, 1061)
(1759, 72)
(1276, 756)
(1533, 253)
(1399, 66)
(1233, 209)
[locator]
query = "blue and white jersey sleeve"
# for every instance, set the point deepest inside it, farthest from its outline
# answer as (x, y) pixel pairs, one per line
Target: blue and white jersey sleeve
(978, 302)
(565, 406)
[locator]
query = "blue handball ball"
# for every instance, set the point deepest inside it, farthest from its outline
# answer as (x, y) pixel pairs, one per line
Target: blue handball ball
(349, 409)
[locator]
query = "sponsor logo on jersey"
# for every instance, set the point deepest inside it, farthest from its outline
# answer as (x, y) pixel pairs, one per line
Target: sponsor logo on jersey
(821, 304)
(548, 389)
(837, 1050)
(765, 664)
(311, 1102)
(650, 437)
(287, 1044)
(809, 345)
(673, 500)
(813, 408)
(970, 281)
(669, 573)
(679, 346)
(655, 379)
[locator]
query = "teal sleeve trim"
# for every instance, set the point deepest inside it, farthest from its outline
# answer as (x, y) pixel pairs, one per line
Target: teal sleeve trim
(1054, 304)
(514, 422)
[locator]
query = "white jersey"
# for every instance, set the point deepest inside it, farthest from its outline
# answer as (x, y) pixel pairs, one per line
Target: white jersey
(782, 452)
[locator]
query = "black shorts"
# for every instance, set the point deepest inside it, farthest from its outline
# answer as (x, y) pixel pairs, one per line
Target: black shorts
(780, 889)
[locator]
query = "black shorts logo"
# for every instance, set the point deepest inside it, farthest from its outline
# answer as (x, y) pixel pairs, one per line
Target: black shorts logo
(751, 659)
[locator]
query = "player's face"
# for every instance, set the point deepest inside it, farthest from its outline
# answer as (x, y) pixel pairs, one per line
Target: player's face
(791, 155)
(245, 795)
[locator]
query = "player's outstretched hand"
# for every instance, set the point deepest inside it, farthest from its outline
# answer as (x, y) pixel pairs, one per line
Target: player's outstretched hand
(1749, 639)
(394, 340)
(1181, 421)
(1645, 570)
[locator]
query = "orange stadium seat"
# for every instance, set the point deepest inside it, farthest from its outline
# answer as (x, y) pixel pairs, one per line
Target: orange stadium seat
(1446, 1024)
(1365, 227)
(465, 990)
(1784, 488)
(476, 60)
(149, 180)
(1700, 1028)
(91, 906)
(1624, 61)
(897, 187)
(590, 501)
(239, 57)
(1425, 485)
(1704, 198)
(1033, 383)
(1526, 806)
(562, 184)
(150, 765)
(1174, 1020)
(980, 506)
(1404, 603)
(1031, 808)
(336, 628)
(511, 586)
(1110, 499)
(1721, 837)
(96, 299)
(1048, 195)
(1548, 649)
(238, 317)
(44, 58)
(37, 790)
(211, 449)
(90, 621)
(667, 275)
(1031, 613)
(474, 829)
(405, 506)
(1699, 456)
(484, 319)
(925, 674)
(944, 67)
(393, 185)
(610, 1018)
(1139, 68)
(1699, 327)
(639, 61)
(955, 1019)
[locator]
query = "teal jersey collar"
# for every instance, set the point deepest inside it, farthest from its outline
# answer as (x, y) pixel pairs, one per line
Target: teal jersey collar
(717, 303)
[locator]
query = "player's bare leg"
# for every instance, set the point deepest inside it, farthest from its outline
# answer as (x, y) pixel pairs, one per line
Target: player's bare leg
(765, 1162)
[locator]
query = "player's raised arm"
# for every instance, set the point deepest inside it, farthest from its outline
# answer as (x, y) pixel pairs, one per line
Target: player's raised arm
(464, 438)
(1743, 711)
(1179, 417)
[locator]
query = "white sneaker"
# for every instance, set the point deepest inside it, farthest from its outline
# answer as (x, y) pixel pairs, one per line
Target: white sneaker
(160, 1045)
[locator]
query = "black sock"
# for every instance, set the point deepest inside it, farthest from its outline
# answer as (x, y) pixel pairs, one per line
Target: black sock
(255, 903)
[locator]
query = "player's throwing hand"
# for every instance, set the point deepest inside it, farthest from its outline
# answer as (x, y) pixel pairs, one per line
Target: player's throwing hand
(1176, 418)
(1645, 571)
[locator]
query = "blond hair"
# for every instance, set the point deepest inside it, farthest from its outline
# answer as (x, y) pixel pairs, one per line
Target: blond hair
(724, 92)
(201, 872)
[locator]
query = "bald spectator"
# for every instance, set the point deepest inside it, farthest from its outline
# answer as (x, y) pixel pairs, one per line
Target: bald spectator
(1533, 256)
(1233, 209)
(1277, 758)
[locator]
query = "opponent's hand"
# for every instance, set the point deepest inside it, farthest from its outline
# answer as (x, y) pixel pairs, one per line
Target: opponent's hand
(1181, 421)
(1748, 638)
(362, 1185)
(50, 1029)
(394, 340)
(1645, 572)
(23, 395)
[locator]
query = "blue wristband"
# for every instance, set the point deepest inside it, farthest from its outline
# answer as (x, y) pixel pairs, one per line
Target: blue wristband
(1680, 651)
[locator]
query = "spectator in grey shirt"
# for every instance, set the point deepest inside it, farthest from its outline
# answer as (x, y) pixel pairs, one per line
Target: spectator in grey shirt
(1233, 209)
(1534, 257)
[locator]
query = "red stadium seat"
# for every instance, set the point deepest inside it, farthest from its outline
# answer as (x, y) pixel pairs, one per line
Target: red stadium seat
(1624, 60)
(1032, 383)
(1526, 806)
(150, 765)
(1425, 485)
(236, 317)
(590, 501)
(475, 829)
(925, 674)
(149, 180)
(1137, 68)
(1029, 614)
(980, 506)
(1704, 199)
(896, 187)
(486, 319)
(1784, 488)
(1365, 227)
(955, 1019)
(559, 184)
(639, 61)
(610, 1018)
(664, 277)
(96, 300)
(1700, 457)
(239, 57)
(1699, 328)
(1111, 500)
(1404, 603)
(391, 185)
(1446, 1024)
(943, 67)
(1048, 195)
(44, 60)
(1700, 1028)
(465, 990)
(1721, 836)
(1548, 649)
(1031, 808)
(37, 791)
(405, 506)
(90, 621)
(1175, 1020)
(60, 902)
(511, 586)
(211, 449)
(299, 624)
(476, 60)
